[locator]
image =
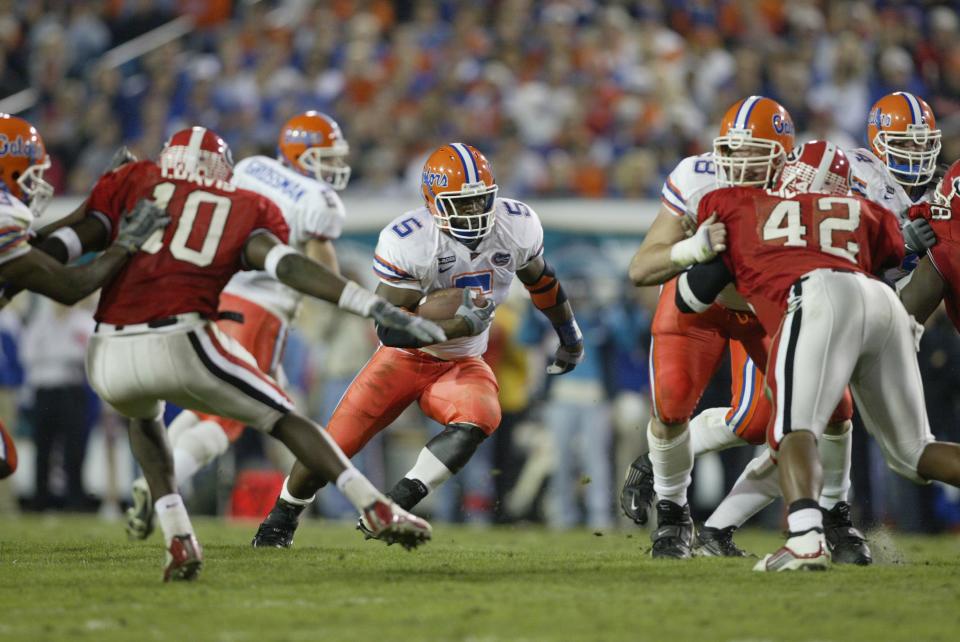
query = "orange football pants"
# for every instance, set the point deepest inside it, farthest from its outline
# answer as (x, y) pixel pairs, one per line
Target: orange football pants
(685, 352)
(461, 391)
(262, 333)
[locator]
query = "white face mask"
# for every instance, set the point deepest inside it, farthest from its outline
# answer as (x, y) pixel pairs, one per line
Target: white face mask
(35, 188)
(328, 164)
(911, 156)
(467, 215)
(758, 168)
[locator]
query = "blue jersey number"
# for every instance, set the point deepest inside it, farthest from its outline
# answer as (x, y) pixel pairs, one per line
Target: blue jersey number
(477, 280)
(406, 227)
(516, 209)
(704, 166)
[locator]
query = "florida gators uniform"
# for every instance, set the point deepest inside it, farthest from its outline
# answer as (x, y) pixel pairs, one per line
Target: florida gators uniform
(805, 265)
(15, 221)
(256, 309)
(449, 380)
(686, 350)
(155, 339)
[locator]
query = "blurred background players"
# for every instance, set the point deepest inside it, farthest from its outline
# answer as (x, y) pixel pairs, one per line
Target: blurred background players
(255, 309)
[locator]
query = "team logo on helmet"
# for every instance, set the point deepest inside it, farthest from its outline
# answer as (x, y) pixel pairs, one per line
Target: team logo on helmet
(17, 147)
(433, 179)
(781, 125)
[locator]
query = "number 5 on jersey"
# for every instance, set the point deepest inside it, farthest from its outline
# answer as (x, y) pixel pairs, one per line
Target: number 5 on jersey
(162, 194)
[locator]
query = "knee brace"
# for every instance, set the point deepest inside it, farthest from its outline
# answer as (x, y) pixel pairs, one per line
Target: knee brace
(455, 445)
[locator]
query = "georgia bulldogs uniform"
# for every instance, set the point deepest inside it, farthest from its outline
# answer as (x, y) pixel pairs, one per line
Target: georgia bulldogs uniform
(154, 339)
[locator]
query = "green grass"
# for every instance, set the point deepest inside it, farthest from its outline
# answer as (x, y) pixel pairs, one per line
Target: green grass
(79, 579)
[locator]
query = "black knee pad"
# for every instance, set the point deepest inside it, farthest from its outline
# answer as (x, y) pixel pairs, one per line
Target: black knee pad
(455, 445)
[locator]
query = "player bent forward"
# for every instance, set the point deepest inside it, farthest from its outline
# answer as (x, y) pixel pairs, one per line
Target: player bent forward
(804, 255)
(464, 237)
(155, 339)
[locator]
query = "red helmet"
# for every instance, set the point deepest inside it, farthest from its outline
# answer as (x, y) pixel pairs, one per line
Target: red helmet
(458, 187)
(196, 152)
(949, 187)
(756, 134)
(902, 132)
(312, 144)
(816, 166)
(23, 159)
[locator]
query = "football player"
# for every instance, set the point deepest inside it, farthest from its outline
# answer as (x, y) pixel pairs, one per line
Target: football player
(756, 135)
(155, 338)
(464, 236)
(897, 171)
(804, 255)
(24, 195)
(256, 309)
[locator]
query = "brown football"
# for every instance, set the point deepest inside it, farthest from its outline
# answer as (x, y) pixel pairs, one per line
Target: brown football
(442, 304)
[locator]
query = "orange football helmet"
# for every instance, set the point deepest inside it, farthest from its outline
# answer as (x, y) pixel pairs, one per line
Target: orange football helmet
(196, 152)
(902, 132)
(756, 134)
(312, 144)
(23, 159)
(458, 187)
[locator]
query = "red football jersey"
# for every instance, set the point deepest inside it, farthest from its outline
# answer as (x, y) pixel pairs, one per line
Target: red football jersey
(201, 248)
(773, 241)
(946, 253)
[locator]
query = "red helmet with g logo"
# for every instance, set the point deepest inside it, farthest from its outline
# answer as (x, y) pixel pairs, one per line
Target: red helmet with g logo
(196, 152)
(816, 166)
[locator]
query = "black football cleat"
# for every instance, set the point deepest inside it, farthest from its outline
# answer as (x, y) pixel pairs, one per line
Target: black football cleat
(847, 544)
(636, 496)
(277, 530)
(674, 535)
(717, 542)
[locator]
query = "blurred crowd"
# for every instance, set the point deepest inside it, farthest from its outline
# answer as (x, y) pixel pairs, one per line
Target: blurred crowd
(569, 97)
(576, 98)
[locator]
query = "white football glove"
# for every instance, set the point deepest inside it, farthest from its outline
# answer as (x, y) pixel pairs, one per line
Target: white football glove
(477, 318)
(709, 240)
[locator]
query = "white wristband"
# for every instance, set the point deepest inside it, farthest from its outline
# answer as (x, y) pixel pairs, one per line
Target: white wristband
(695, 249)
(68, 236)
(357, 299)
(276, 253)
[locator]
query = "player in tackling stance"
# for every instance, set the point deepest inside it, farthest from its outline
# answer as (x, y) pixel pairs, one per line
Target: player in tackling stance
(24, 195)
(256, 309)
(463, 237)
(804, 254)
(155, 340)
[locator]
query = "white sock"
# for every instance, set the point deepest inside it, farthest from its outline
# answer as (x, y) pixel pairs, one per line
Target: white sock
(172, 515)
(757, 486)
(196, 446)
(805, 519)
(709, 432)
(357, 488)
(672, 462)
(429, 470)
(290, 499)
(835, 453)
(185, 466)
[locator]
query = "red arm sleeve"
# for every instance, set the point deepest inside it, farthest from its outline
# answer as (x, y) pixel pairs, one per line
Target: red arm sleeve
(270, 219)
(887, 250)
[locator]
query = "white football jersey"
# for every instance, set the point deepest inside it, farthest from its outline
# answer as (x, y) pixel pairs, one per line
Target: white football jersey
(312, 209)
(690, 180)
(872, 180)
(413, 253)
(15, 221)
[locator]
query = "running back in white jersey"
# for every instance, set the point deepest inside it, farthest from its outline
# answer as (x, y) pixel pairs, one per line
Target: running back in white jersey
(312, 209)
(15, 221)
(413, 253)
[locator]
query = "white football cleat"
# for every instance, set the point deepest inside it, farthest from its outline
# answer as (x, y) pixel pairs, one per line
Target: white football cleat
(807, 552)
(386, 521)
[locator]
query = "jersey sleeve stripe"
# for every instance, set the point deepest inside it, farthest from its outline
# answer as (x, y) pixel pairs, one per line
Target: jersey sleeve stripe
(679, 211)
(391, 277)
(390, 267)
(673, 189)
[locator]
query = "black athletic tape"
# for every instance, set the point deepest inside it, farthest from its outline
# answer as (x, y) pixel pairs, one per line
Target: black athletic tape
(455, 445)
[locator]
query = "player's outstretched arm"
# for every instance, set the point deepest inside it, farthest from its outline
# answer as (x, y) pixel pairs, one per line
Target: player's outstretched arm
(264, 251)
(923, 290)
(41, 273)
(666, 251)
(548, 296)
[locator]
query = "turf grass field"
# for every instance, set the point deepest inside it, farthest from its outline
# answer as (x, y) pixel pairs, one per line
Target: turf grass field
(77, 578)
